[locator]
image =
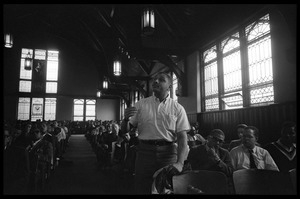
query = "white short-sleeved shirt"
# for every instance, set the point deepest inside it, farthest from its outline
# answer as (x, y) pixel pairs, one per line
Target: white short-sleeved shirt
(159, 120)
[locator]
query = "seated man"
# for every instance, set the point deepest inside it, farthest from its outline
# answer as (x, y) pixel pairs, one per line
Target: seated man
(210, 155)
(283, 150)
(194, 138)
(239, 129)
(248, 155)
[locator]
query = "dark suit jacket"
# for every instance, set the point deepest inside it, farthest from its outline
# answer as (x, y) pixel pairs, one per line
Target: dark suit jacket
(200, 159)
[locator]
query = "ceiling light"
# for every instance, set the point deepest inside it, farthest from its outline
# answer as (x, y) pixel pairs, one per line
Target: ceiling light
(8, 40)
(148, 21)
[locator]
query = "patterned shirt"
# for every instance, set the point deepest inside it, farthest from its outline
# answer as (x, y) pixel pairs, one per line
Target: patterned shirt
(262, 158)
(159, 120)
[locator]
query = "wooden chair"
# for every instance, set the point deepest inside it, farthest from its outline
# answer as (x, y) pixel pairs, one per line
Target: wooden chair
(262, 182)
(200, 182)
(293, 176)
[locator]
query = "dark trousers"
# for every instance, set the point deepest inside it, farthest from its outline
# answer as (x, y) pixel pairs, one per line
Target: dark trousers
(149, 159)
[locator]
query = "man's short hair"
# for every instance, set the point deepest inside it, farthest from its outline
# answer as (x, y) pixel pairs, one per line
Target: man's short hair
(256, 131)
(286, 125)
(166, 74)
(241, 126)
(217, 132)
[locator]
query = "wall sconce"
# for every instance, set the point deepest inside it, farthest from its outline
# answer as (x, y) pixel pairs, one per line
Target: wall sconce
(117, 67)
(8, 40)
(98, 94)
(105, 83)
(28, 62)
(148, 21)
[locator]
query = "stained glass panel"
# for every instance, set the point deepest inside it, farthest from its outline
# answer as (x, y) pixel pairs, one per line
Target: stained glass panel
(50, 109)
(23, 108)
(210, 54)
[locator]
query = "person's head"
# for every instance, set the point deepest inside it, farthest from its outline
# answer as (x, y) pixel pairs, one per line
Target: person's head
(250, 137)
(215, 138)
(161, 84)
(50, 127)
(109, 127)
(288, 133)
(27, 128)
(115, 128)
(44, 127)
(55, 123)
(240, 129)
(7, 136)
(196, 125)
(36, 134)
(192, 132)
(17, 130)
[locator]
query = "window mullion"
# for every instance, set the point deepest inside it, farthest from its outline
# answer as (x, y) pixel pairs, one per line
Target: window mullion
(244, 68)
(220, 76)
(202, 82)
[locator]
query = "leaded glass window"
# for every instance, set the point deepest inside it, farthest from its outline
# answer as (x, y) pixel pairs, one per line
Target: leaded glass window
(32, 81)
(260, 62)
(211, 79)
(232, 73)
(50, 109)
(90, 110)
(78, 109)
(25, 86)
(240, 81)
(37, 105)
(51, 87)
(23, 108)
(40, 54)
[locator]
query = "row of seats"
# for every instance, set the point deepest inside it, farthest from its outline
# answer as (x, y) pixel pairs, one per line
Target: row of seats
(246, 182)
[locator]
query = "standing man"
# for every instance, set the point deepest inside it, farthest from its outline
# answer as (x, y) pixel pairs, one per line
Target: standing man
(162, 126)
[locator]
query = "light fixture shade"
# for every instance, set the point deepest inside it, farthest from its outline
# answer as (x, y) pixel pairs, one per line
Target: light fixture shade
(28, 62)
(117, 68)
(148, 21)
(105, 83)
(8, 40)
(98, 93)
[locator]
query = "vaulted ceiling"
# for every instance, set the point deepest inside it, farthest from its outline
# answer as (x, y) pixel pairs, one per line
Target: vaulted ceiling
(103, 30)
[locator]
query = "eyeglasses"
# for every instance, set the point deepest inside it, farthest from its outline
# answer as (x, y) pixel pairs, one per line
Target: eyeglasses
(218, 140)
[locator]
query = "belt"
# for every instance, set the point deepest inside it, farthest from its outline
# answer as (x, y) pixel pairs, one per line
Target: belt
(156, 142)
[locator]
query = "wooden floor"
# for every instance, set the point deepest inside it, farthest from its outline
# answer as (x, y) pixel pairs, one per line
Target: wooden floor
(78, 174)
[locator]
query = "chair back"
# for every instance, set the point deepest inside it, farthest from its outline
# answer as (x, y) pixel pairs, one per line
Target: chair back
(262, 182)
(203, 181)
(293, 176)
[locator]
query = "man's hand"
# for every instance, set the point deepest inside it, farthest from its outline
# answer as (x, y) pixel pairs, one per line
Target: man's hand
(178, 166)
(129, 112)
(213, 155)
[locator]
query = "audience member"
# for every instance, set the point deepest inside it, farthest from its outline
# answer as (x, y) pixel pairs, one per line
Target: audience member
(211, 156)
(284, 150)
(194, 138)
(241, 155)
(239, 129)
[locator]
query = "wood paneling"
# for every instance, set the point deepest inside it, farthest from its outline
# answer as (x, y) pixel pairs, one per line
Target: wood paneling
(268, 119)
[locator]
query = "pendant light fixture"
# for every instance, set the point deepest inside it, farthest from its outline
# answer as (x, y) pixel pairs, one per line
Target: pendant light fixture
(8, 40)
(105, 83)
(117, 66)
(148, 20)
(28, 62)
(98, 94)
